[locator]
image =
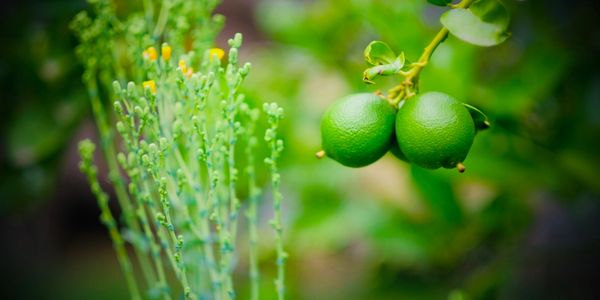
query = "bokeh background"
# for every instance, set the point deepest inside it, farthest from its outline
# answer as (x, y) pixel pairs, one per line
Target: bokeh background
(522, 223)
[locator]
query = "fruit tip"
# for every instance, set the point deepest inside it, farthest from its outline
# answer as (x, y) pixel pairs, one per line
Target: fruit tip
(320, 154)
(461, 167)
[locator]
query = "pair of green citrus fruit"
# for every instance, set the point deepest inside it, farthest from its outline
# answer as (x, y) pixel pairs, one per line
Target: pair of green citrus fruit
(431, 130)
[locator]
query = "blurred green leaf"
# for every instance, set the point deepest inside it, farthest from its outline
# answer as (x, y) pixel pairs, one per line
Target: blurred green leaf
(480, 119)
(440, 2)
(33, 136)
(518, 86)
(483, 24)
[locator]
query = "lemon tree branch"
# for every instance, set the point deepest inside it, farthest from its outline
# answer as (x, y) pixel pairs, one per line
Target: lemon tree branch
(406, 88)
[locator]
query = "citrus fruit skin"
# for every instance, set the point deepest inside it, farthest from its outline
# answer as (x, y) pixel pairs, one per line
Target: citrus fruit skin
(358, 129)
(434, 130)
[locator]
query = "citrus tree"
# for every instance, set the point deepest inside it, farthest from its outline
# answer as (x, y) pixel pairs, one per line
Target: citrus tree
(432, 130)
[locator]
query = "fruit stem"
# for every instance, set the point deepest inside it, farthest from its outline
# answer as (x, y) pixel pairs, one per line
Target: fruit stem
(408, 87)
(320, 154)
(460, 167)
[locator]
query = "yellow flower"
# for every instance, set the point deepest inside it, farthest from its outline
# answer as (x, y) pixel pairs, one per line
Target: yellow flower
(150, 84)
(182, 66)
(216, 51)
(150, 54)
(165, 51)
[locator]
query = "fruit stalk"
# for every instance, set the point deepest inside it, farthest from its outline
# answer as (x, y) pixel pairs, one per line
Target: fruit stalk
(406, 89)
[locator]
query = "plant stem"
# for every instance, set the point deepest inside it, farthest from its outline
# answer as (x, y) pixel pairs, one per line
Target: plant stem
(106, 143)
(86, 150)
(149, 12)
(414, 72)
(204, 231)
(406, 89)
(251, 214)
(276, 146)
(162, 19)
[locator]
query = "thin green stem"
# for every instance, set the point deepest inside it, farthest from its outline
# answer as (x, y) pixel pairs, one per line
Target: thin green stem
(275, 114)
(149, 12)
(162, 19)
(408, 87)
(252, 211)
(113, 168)
(204, 231)
(253, 239)
(155, 249)
(86, 149)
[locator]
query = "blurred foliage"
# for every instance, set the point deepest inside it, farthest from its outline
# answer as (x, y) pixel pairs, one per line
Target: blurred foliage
(43, 100)
(388, 231)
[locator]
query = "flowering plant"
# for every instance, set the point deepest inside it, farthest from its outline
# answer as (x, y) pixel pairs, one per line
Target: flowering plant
(181, 148)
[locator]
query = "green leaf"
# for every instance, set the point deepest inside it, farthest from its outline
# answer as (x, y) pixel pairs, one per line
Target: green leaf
(379, 53)
(33, 136)
(480, 119)
(440, 2)
(384, 70)
(483, 24)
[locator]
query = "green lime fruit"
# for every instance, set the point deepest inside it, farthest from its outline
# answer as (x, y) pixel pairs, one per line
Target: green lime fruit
(434, 130)
(358, 129)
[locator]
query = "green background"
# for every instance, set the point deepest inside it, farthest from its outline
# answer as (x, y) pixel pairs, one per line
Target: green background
(521, 223)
